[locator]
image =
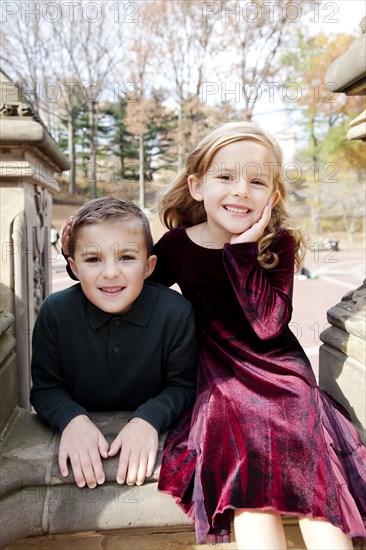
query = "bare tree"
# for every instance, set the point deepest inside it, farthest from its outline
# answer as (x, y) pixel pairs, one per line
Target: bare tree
(41, 49)
(142, 70)
(187, 45)
(254, 37)
(91, 49)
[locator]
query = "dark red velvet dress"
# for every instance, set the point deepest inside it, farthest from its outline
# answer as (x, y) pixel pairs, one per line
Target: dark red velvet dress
(262, 435)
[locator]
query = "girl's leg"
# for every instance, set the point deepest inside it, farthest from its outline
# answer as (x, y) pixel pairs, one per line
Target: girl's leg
(321, 535)
(259, 531)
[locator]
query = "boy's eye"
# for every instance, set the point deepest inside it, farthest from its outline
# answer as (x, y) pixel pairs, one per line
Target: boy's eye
(127, 258)
(92, 260)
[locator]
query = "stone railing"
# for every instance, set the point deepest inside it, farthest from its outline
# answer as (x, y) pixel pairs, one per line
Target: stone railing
(54, 514)
(29, 160)
(37, 500)
(8, 382)
(342, 357)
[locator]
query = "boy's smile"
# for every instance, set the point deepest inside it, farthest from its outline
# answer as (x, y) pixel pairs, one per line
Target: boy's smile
(111, 263)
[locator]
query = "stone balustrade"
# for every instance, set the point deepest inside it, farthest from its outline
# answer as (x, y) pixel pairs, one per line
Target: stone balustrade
(29, 160)
(36, 499)
(342, 357)
(41, 510)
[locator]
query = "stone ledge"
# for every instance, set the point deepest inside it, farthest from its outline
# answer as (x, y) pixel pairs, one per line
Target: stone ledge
(347, 72)
(36, 499)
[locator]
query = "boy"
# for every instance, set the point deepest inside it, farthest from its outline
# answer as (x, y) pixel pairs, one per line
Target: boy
(112, 342)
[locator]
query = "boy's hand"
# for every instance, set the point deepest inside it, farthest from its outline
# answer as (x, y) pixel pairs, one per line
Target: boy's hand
(65, 236)
(83, 444)
(138, 442)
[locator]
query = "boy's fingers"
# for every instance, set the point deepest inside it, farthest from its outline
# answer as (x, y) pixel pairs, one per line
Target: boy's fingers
(115, 446)
(133, 467)
(151, 462)
(62, 463)
(103, 446)
(77, 471)
(88, 471)
(142, 470)
(97, 467)
(122, 466)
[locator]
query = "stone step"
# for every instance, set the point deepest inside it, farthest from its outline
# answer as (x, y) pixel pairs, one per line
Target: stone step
(169, 538)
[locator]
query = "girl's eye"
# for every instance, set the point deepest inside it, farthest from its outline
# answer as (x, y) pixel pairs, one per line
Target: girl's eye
(225, 177)
(258, 182)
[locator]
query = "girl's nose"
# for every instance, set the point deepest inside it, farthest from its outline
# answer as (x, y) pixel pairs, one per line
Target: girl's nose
(241, 188)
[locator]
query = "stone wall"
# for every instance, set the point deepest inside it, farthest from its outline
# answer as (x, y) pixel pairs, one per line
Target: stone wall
(42, 510)
(342, 357)
(29, 160)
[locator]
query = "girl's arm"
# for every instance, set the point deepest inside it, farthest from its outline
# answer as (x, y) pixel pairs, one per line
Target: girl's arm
(265, 295)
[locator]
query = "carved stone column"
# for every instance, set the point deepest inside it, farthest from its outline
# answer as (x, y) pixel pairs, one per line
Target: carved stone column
(28, 162)
(342, 359)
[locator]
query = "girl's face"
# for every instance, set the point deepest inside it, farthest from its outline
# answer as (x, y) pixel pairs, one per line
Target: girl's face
(236, 188)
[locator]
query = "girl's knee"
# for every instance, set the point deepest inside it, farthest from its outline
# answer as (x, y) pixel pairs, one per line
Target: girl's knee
(259, 530)
(322, 535)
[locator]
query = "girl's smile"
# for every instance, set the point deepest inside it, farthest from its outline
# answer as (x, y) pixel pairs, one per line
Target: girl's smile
(235, 189)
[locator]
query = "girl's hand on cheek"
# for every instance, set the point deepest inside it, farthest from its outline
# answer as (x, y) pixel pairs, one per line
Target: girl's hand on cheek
(254, 233)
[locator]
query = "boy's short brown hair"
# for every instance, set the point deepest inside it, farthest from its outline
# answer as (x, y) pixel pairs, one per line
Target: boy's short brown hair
(109, 209)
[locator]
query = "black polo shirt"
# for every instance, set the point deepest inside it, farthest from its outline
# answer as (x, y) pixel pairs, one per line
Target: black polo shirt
(85, 359)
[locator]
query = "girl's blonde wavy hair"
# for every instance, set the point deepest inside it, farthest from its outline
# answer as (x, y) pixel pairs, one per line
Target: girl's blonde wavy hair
(177, 207)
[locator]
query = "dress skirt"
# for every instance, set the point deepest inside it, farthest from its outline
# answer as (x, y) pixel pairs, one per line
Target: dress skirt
(284, 447)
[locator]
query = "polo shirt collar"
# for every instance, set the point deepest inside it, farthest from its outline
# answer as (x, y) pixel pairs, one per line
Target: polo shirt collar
(138, 315)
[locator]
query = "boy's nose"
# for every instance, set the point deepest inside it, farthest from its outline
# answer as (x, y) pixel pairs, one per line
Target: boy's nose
(111, 270)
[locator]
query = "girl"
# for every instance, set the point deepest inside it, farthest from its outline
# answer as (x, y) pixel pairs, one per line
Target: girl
(263, 439)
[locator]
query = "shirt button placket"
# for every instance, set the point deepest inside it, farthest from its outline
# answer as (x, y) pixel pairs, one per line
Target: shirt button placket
(115, 348)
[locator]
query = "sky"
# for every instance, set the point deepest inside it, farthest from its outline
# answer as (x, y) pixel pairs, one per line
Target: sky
(342, 16)
(334, 17)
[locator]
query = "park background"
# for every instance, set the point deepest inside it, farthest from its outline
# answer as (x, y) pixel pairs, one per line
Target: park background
(127, 88)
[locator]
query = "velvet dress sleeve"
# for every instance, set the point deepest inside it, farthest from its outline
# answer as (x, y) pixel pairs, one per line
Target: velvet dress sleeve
(265, 295)
(49, 394)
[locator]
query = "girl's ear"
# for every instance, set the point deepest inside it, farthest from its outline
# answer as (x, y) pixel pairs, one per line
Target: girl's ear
(194, 185)
(275, 198)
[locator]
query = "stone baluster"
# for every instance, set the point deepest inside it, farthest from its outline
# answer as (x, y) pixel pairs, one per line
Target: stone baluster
(29, 160)
(342, 357)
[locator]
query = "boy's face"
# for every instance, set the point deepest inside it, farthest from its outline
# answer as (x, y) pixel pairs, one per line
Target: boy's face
(111, 263)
